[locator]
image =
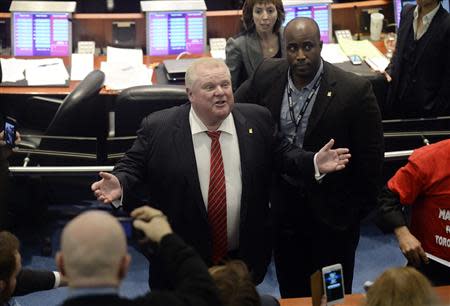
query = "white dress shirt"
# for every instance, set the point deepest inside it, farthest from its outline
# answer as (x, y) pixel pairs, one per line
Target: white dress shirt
(426, 21)
(232, 168)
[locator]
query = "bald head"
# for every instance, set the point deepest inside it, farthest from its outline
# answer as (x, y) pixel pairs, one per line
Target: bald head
(93, 249)
(304, 24)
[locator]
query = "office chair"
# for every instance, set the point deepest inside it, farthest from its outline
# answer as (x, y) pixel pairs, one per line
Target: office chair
(134, 104)
(72, 130)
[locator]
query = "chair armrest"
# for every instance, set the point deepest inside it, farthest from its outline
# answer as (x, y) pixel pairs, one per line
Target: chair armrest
(56, 101)
(39, 112)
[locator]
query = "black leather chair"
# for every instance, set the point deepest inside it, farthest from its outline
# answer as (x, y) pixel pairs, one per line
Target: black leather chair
(73, 129)
(134, 104)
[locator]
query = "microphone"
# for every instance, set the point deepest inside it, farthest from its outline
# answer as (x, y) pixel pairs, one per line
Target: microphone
(110, 5)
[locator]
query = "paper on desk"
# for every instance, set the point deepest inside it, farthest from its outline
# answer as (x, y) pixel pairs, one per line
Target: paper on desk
(12, 69)
(120, 76)
(82, 64)
(51, 71)
(333, 53)
(378, 63)
(132, 57)
(363, 48)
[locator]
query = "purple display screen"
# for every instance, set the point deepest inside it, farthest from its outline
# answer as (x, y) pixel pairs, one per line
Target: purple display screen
(319, 12)
(41, 34)
(175, 32)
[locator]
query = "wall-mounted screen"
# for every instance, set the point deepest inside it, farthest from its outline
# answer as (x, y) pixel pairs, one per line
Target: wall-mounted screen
(174, 32)
(41, 34)
(320, 12)
(399, 4)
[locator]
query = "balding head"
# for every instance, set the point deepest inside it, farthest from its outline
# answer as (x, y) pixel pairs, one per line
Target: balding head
(204, 62)
(303, 48)
(93, 250)
(303, 24)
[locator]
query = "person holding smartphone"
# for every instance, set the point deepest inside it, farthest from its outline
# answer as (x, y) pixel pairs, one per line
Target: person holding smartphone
(5, 152)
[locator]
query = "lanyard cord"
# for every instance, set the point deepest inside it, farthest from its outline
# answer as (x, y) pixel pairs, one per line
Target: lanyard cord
(304, 107)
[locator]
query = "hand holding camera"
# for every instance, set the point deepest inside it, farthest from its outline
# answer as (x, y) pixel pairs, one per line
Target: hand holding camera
(152, 222)
(9, 137)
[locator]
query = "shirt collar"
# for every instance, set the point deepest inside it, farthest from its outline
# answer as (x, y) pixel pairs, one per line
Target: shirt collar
(428, 17)
(197, 126)
(310, 85)
(78, 292)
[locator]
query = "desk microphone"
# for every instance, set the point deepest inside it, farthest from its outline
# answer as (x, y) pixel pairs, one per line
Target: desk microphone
(110, 5)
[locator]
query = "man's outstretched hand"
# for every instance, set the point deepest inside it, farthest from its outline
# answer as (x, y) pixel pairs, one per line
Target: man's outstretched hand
(107, 189)
(329, 160)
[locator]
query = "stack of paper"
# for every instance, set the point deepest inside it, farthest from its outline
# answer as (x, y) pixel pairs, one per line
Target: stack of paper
(363, 48)
(124, 68)
(367, 51)
(81, 65)
(378, 63)
(37, 72)
(333, 53)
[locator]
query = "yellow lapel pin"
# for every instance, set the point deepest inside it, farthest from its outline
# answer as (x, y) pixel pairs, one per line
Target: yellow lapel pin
(329, 94)
(250, 131)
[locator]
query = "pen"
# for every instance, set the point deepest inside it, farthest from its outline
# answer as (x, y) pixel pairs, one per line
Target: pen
(45, 65)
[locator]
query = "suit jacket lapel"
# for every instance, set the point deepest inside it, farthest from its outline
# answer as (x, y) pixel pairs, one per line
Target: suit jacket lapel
(254, 52)
(426, 38)
(245, 147)
(184, 148)
(323, 99)
(276, 94)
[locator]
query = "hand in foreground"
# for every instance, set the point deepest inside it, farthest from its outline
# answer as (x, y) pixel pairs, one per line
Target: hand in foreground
(329, 160)
(323, 300)
(5, 151)
(107, 189)
(410, 246)
(152, 222)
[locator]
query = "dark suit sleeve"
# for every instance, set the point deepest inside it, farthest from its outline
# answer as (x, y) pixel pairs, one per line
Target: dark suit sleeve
(367, 148)
(292, 160)
(191, 280)
(29, 281)
(390, 212)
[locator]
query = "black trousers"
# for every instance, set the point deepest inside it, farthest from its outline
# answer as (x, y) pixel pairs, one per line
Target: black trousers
(303, 244)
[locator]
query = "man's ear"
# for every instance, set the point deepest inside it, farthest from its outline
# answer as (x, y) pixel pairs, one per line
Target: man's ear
(124, 265)
(2, 285)
(189, 94)
(60, 263)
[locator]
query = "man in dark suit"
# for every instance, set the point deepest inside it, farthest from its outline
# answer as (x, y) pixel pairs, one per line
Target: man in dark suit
(16, 281)
(172, 155)
(317, 220)
(419, 72)
(94, 259)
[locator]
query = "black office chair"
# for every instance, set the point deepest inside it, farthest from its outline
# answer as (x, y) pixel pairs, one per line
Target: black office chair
(134, 104)
(73, 129)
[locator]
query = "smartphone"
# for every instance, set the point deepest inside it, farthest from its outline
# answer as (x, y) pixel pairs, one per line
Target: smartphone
(355, 59)
(333, 284)
(10, 131)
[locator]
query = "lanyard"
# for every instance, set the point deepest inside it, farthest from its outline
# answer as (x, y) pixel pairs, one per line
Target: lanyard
(304, 107)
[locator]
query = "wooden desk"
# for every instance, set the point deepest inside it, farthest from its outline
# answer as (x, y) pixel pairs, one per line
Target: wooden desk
(356, 299)
(41, 90)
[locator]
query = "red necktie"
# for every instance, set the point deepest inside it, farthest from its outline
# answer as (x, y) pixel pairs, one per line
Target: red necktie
(217, 200)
